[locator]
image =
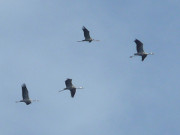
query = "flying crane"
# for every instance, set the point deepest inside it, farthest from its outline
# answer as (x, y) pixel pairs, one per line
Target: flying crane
(71, 87)
(140, 50)
(25, 95)
(87, 35)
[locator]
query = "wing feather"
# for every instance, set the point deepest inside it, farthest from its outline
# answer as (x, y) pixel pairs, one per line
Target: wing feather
(86, 33)
(73, 91)
(139, 46)
(143, 57)
(25, 93)
(68, 83)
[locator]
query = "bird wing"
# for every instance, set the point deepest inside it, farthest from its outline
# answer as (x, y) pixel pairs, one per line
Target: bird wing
(139, 46)
(143, 57)
(68, 83)
(25, 94)
(73, 91)
(86, 33)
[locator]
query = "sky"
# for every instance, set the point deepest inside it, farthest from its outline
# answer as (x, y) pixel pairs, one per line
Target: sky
(121, 96)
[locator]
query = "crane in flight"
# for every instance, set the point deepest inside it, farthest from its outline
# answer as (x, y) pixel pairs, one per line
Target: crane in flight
(25, 95)
(140, 50)
(71, 87)
(87, 35)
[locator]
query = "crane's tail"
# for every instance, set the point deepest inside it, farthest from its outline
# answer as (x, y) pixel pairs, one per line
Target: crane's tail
(80, 87)
(151, 53)
(35, 100)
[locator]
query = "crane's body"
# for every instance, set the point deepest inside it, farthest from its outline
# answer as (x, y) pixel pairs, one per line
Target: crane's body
(71, 87)
(27, 101)
(140, 50)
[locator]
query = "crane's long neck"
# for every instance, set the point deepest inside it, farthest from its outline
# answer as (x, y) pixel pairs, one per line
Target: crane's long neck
(133, 56)
(95, 40)
(63, 90)
(18, 101)
(80, 41)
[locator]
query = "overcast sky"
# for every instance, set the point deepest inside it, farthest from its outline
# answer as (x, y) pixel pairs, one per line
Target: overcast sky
(122, 96)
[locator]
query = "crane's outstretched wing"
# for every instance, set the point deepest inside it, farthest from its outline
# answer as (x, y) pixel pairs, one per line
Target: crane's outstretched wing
(25, 94)
(86, 33)
(68, 83)
(139, 46)
(73, 91)
(143, 57)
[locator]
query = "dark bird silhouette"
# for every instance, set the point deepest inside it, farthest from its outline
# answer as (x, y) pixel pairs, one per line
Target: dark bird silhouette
(71, 87)
(87, 36)
(25, 95)
(140, 50)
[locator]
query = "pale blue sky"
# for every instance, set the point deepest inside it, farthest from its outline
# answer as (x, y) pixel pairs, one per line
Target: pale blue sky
(122, 96)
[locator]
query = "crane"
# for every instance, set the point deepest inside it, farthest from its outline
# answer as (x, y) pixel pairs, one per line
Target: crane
(140, 50)
(87, 35)
(71, 87)
(25, 95)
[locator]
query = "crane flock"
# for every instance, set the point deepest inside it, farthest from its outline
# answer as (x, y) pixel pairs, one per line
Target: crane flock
(68, 82)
